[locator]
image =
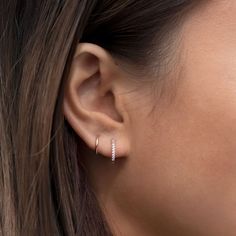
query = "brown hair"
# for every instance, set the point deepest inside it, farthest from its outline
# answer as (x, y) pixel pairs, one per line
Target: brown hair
(44, 188)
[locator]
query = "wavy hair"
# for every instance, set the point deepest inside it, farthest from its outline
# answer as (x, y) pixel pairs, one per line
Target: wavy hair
(44, 188)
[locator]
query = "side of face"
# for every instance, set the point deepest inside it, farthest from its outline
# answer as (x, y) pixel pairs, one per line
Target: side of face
(182, 169)
(178, 171)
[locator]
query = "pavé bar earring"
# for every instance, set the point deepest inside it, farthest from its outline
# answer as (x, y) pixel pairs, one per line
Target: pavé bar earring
(113, 150)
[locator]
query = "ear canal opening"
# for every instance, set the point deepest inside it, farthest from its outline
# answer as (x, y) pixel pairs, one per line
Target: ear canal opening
(115, 116)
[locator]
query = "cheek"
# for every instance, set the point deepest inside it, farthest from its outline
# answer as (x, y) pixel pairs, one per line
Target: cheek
(184, 166)
(182, 170)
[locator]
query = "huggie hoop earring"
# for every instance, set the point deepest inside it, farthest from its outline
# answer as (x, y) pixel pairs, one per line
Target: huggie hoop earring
(113, 150)
(96, 144)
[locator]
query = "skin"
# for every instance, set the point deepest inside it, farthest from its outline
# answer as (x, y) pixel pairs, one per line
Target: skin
(175, 170)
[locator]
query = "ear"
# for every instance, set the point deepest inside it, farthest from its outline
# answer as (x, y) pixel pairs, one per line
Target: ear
(92, 102)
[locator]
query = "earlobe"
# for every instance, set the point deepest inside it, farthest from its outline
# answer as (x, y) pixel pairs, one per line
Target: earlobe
(91, 103)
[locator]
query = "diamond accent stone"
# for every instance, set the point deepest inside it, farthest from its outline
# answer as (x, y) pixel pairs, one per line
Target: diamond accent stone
(113, 150)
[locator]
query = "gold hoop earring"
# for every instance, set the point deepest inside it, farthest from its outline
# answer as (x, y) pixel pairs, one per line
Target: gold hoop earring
(96, 144)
